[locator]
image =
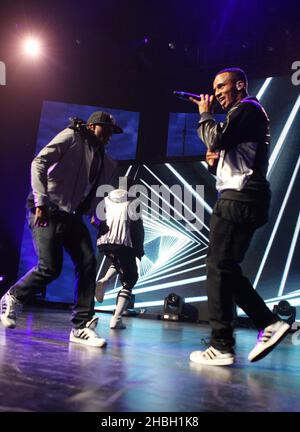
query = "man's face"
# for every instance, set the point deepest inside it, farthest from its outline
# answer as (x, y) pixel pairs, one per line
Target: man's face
(225, 90)
(102, 132)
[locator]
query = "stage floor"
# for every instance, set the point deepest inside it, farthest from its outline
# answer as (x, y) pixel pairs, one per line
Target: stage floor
(144, 368)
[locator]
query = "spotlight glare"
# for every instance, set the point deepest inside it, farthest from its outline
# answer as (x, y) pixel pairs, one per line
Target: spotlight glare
(32, 47)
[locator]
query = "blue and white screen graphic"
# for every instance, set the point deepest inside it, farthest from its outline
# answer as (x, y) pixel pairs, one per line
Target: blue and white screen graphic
(55, 117)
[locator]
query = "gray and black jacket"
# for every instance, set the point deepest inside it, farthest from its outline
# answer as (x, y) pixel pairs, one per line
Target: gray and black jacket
(60, 172)
(243, 142)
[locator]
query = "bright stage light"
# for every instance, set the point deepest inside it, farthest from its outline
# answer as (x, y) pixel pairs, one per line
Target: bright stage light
(32, 47)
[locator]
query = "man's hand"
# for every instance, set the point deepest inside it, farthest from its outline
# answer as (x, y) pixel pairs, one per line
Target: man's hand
(204, 104)
(212, 158)
(41, 218)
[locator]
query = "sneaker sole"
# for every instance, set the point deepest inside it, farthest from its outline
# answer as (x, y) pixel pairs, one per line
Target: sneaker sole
(219, 362)
(101, 344)
(266, 351)
(6, 324)
(117, 328)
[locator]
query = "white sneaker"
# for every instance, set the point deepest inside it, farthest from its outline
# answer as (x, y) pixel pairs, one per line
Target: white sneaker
(212, 356)
(117, 324)
(267, 340)
(87, 336)
(93, 323)
(9, 307)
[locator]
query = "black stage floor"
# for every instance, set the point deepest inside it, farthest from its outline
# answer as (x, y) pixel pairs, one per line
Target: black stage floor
(144, 368)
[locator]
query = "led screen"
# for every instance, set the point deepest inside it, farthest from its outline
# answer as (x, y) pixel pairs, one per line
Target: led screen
(55, 117)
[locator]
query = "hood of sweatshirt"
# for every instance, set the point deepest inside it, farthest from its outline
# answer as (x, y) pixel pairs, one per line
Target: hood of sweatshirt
(118, 196)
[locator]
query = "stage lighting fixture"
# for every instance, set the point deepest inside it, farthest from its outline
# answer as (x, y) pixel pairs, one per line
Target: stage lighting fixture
(2, 278)
(284, 309)
(173, 307)
(32, 47)
(172, 45)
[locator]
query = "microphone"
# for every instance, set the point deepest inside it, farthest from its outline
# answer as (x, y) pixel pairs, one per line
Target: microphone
(184, 95)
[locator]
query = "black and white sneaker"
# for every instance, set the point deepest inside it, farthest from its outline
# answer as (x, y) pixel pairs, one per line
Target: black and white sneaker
(267, 340)
(88, 335)
(212, 356)
(92, 324)
(117, 324)
(9, 307)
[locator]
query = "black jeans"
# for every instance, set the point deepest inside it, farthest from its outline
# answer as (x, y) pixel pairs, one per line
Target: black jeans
(124, 261)
(64, 231)
(232, 226)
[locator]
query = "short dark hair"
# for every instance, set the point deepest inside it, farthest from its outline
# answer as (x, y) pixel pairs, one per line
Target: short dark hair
(237, 74)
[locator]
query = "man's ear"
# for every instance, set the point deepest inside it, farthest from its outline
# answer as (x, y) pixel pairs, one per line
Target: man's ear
(91, 126)
(240, 85)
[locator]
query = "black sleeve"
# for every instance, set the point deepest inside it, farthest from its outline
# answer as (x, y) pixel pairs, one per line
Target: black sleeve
(212, 169)
(239, 121)
(48, 156)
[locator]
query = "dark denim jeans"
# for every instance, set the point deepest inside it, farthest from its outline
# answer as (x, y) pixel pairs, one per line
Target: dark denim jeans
(124, 261)
(68, 232)
(232, 226)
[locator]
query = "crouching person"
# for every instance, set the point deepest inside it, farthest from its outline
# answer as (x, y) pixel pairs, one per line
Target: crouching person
(121, 239)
